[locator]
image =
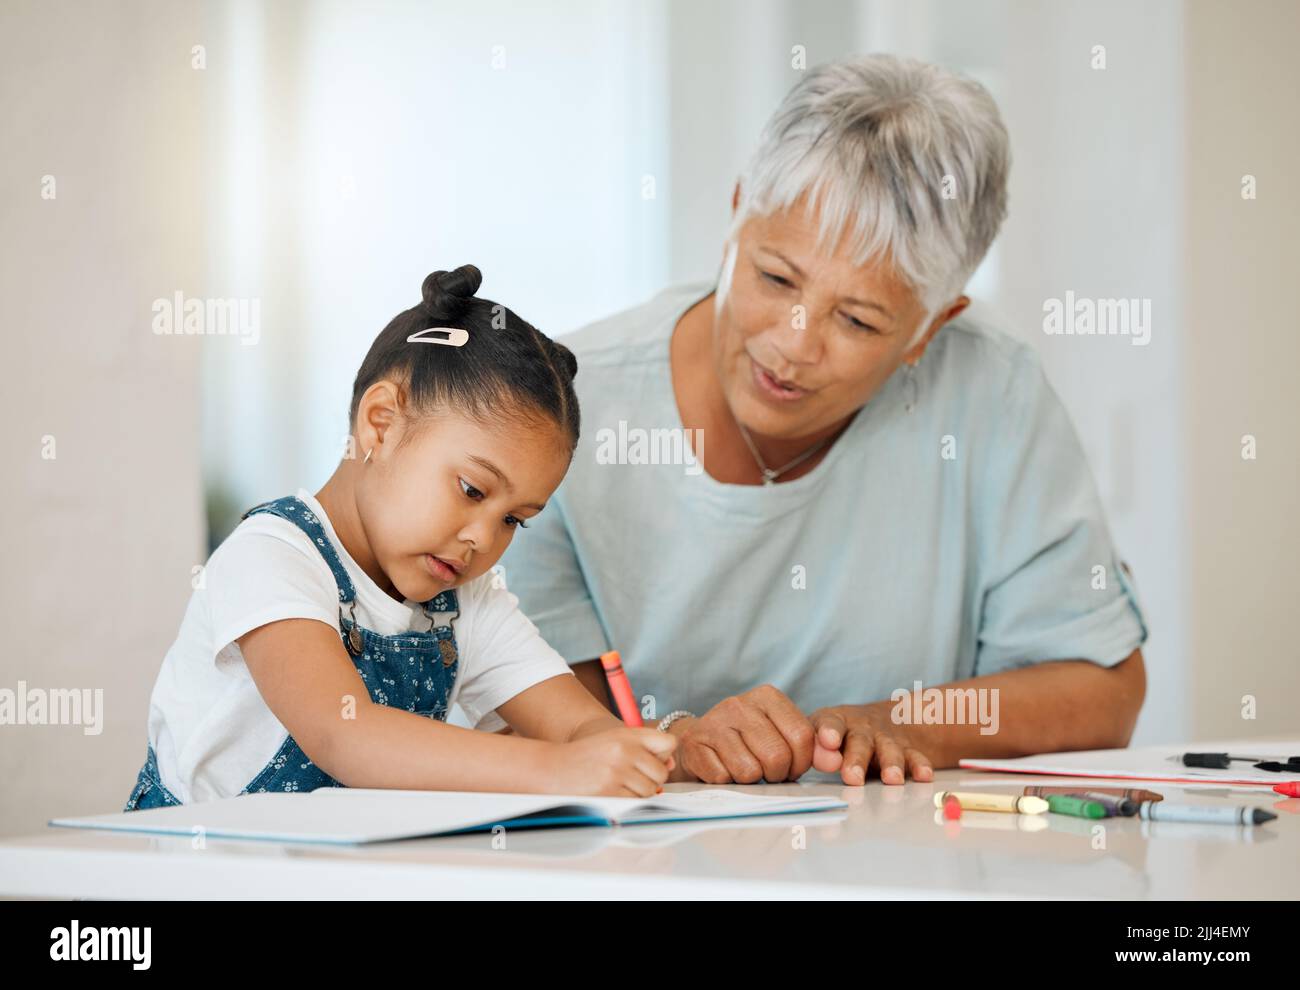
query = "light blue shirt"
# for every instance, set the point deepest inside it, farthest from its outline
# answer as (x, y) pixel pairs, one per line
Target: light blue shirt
(957, 538)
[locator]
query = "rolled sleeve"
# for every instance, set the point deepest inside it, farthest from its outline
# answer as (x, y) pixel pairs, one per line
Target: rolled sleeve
(1053, 586)
(543, 571)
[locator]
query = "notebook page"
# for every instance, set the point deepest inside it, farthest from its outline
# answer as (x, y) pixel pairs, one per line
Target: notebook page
(720, 803)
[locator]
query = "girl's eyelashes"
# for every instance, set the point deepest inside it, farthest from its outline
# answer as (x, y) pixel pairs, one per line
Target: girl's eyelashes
(475, 495)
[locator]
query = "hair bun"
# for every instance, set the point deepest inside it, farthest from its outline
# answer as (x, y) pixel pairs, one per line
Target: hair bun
(446, 293)
(566, 357)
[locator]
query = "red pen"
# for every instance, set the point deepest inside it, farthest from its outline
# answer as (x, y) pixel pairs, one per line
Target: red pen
(1290, 789)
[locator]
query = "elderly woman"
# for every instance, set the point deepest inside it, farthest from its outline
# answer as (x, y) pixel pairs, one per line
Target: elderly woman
(887, 489)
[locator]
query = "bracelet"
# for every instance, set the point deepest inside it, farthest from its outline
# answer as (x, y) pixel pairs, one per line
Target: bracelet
(666, 722)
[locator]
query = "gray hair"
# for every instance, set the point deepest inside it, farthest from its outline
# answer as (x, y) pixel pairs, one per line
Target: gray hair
(909, 159)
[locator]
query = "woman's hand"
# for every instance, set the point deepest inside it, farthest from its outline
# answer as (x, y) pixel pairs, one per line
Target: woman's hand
(618, 762)
(853, 738)
(758, 735)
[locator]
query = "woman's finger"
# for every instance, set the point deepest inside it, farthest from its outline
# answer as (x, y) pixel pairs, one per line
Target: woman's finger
(918, 765)
(764, 740)
(797, 733)
(889, 754)
(704, 764)
(829, 729)
(857, 757)
(826, 760)
(741, 765)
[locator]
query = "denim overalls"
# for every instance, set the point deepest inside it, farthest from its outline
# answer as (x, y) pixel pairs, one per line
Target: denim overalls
(413, 670)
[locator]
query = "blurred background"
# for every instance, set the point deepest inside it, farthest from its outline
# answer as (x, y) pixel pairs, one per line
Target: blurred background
(322, 158)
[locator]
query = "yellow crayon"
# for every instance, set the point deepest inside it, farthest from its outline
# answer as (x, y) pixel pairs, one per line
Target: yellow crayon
(1025, 805)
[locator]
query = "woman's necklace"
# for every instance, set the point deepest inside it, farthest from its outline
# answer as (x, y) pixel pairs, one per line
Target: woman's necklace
(770, 475)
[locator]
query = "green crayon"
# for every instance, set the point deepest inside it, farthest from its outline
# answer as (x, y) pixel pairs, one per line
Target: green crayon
(1115, 806)
(1076, 807)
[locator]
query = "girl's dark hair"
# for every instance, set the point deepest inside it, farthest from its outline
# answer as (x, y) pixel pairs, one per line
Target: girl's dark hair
(506, 365)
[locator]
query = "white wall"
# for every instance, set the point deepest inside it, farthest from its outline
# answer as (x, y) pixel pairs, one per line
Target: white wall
(98, 541)
(1243, 349)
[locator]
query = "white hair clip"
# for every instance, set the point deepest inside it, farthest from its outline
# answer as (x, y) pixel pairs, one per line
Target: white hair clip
(457, 337)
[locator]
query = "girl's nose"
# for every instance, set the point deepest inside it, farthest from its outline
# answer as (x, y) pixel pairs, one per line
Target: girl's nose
(476, 534)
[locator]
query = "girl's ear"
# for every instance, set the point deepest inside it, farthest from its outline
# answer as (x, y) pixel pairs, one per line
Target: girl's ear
(376, 414)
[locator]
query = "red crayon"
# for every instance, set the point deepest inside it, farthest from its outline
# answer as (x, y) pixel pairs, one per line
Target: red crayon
(1290, 789)
(620, 689)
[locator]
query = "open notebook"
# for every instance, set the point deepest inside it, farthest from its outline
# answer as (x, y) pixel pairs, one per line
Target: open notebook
(350, 815)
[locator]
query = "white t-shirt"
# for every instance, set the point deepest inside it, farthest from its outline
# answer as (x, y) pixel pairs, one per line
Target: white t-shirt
(210, 728)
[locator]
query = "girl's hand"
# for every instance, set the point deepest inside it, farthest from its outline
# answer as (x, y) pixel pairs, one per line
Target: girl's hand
(618, 762)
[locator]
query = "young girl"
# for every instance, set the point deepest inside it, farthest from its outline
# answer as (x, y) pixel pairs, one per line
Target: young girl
(331, 634)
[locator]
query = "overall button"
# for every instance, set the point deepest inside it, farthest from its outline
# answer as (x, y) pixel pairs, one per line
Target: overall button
(355, 641)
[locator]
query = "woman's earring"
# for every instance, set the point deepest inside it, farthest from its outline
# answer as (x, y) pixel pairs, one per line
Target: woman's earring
(909, 385)
(366, 460)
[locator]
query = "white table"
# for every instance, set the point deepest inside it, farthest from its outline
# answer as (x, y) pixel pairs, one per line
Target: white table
(887, 844)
